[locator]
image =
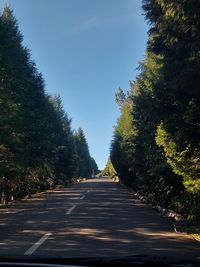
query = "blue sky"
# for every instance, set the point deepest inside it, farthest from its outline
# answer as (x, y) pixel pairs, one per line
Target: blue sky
(85, 49)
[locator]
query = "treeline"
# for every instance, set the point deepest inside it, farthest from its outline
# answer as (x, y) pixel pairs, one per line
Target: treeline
(156, 143)
(109, 170)
(38, 148)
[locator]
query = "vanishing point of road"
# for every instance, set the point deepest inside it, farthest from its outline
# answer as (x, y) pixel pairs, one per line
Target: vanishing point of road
(94, 218)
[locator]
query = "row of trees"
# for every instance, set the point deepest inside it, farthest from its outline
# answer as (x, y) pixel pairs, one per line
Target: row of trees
(156, 143)
(38, 148)
(109, 170)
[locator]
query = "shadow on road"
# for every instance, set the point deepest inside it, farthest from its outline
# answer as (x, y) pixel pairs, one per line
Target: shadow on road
(108, 221)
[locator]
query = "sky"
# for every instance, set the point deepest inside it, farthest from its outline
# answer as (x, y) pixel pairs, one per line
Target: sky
(86, 50)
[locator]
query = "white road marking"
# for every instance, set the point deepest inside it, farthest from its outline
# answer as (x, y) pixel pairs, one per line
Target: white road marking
(71, 209)
(88, 191)
(82, 197)
(32, 249)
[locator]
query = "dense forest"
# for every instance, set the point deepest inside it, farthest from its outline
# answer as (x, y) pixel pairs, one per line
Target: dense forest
(38, 147)
(156, 143)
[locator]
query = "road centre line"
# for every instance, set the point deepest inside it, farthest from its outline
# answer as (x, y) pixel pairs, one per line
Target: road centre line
(33, 248)
(71, 209)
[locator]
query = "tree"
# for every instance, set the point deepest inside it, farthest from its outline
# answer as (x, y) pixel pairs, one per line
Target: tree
(109, 170)
(61, 138)
(122, 145)
(94, 166)
(134, 152)
(17, 73)
(175, 36)
(37, 145)
(83, 159)
(156, 145)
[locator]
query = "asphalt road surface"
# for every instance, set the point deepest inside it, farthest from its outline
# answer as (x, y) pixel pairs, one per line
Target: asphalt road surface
(94, 218)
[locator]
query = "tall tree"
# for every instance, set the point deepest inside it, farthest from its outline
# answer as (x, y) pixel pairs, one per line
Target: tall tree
(63, 142)
(83, 159)
(163, 152)
(175, 36)
(109, 169)
(37, 146)
(123, 145)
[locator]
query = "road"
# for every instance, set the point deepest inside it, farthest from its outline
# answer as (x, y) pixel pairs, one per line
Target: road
(94, 218)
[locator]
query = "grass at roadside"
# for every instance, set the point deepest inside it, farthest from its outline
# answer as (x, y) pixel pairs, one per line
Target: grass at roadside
(43, 192)
(192, 231)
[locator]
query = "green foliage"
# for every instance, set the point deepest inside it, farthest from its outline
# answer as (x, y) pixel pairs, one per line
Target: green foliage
(156, 145)
(85, 166)
(94, 166)
(123, 143)
(37, 144)
(183, 161)
(175, 36)
(109, 170)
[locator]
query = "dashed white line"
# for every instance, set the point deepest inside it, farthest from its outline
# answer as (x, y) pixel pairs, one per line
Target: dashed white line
(88, 191)
(82, 197)
(32, 249)
(71, 209)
